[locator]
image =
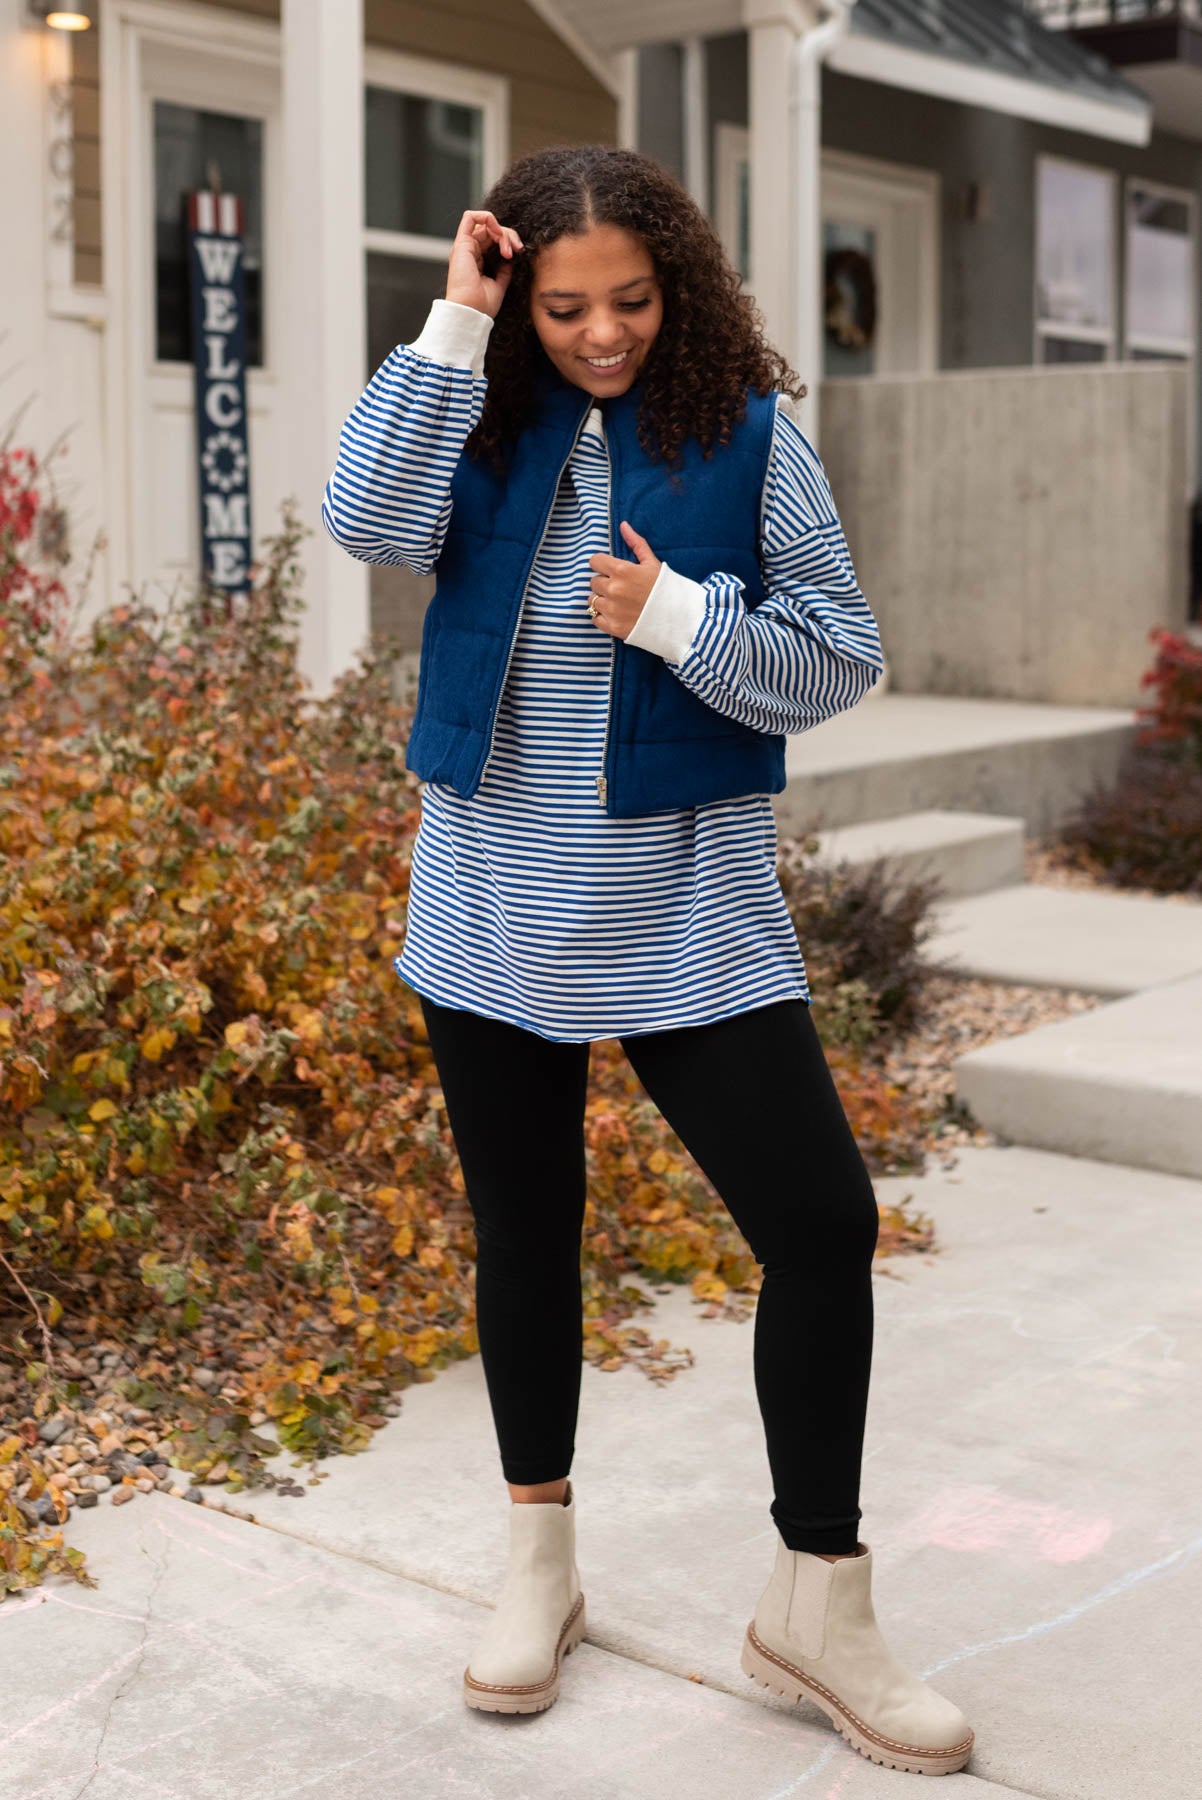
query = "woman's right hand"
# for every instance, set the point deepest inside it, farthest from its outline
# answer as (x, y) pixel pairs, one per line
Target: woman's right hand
(467, 284)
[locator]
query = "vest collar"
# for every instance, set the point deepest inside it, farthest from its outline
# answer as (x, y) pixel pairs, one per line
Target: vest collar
(560, 402)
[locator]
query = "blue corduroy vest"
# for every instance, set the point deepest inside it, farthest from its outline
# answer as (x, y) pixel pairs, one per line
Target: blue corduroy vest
(664, 748)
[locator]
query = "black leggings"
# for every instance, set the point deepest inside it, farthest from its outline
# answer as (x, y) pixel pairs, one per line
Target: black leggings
(752, 1099)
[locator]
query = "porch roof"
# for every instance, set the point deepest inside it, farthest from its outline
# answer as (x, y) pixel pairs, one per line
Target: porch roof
(1000, 36)
(989, 53)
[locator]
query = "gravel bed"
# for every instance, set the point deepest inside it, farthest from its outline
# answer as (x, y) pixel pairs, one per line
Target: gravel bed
(1047, 863)
(962, 1015)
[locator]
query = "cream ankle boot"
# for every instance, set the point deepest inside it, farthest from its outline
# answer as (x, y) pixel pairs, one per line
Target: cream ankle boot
(815, 1635)
(539, 1617)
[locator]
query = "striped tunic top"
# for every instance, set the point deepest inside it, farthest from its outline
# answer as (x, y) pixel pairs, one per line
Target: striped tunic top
(528, 903)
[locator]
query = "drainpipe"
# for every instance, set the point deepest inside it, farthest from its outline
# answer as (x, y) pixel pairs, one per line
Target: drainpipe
(806, 137)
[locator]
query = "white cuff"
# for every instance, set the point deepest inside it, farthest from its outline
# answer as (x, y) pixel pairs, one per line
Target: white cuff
(671, 614)
(455, 336)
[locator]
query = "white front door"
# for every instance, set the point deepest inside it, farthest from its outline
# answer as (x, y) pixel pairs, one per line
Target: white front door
(880, 243)
(200, 111)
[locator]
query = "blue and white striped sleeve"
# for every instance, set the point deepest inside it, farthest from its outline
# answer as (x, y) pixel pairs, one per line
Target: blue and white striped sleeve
(388, 499)
(811, 648)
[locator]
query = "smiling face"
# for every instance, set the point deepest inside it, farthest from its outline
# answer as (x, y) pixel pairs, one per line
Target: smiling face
(597, 307)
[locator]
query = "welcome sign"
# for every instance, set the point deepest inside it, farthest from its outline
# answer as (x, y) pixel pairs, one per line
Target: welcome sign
(219, 354)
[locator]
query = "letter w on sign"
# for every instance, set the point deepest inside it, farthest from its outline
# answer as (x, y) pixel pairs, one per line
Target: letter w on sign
(219, 356)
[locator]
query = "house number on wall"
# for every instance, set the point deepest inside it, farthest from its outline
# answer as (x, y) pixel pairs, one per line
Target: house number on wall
(60, 162)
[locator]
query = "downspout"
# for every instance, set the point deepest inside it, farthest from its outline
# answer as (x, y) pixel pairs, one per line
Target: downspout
(806, 139)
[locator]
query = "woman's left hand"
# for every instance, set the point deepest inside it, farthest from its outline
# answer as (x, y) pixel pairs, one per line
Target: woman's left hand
(619, 589)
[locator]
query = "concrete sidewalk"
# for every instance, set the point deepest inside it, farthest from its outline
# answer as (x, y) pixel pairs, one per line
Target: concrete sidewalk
(1031, 1492)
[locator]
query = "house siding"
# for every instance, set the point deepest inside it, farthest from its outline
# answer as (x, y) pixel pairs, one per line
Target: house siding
(555, 98)
(85, 124)
(987, 271)
(987, 284)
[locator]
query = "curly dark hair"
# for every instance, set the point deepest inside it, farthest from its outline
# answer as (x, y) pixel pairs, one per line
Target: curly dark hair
(710, 348)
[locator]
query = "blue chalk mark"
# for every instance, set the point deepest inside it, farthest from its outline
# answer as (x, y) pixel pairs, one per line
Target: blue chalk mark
(815, 1768)
(1120, 1585)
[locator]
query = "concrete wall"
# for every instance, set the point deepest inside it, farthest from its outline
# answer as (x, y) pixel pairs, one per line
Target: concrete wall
(1017, 532)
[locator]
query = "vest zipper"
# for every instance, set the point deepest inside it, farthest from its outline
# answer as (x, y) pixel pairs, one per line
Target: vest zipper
(525, 585)
(602, 783)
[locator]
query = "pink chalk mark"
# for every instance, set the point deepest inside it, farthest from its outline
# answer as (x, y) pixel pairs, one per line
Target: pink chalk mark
(980, 1519)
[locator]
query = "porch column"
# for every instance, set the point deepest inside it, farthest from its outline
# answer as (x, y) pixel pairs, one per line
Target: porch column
(323, 369)
(773, 29)
(812, 48)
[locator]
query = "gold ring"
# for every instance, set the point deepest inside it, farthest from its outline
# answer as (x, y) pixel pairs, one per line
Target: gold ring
(592, 609)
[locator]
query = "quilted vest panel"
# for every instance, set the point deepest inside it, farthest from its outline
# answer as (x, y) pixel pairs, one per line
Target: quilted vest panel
(665, 749)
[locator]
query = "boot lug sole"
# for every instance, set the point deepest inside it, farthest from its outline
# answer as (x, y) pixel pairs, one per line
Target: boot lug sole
(788, 1681)
(529, 1697)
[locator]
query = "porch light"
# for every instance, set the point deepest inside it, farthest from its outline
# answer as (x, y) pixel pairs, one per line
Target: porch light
(80, 17)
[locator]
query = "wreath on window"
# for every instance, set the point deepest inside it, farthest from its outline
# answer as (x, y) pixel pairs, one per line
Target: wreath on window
(850, 299)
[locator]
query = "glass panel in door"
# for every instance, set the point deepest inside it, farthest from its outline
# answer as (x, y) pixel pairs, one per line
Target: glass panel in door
(850, 298)
(194, 149)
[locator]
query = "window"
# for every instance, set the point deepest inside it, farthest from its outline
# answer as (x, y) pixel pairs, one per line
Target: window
(1075, 256)
(1161, 314)
(199, 149)
(424, 162)
(434, 141)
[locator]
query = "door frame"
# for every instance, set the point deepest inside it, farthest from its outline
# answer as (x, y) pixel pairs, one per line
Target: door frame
(915, 194)
(732, 154)
(182, 36)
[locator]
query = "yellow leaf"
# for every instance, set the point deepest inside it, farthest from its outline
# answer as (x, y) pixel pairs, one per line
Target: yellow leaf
(137, 1160)
(101, 1109)
(658, 1161)
(156, 1042)
(402, 1243)
(237, 1034)
(82, 1063)
(309, 1029)
(54, 1311)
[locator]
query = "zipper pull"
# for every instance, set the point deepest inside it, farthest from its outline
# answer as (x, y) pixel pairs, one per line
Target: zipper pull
(602, 786)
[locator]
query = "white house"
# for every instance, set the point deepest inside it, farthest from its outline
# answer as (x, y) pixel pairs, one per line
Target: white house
(1014, 213)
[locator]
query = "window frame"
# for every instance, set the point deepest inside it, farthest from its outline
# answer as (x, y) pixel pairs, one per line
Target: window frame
(1184, 350)
(731, 152)
(460, 86)
(240, 95)
(1110, 337)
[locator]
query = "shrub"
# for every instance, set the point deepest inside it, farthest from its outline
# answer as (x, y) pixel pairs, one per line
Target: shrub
(1174, 720)
(222, 1140)
(861, 930)
(1145, 828)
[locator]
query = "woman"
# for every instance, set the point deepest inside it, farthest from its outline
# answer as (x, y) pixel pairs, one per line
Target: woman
(642, 588)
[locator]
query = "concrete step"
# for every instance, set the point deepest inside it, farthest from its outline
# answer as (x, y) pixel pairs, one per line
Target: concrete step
(1121, 1084)
(1102, 943)
(904, 753)
(969, 852)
